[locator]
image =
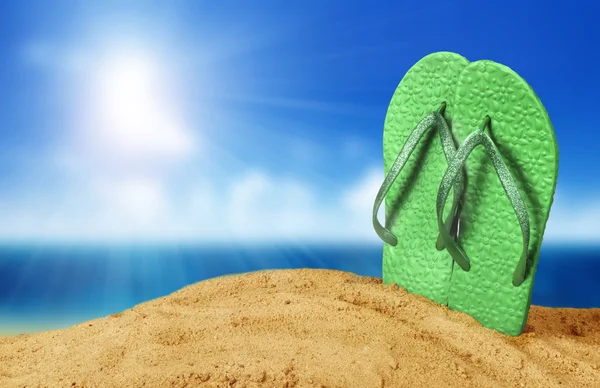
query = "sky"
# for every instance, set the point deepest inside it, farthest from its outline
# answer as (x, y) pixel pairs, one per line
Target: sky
(256, 121)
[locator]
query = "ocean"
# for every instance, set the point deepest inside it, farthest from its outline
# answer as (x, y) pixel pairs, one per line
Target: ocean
(51, 287)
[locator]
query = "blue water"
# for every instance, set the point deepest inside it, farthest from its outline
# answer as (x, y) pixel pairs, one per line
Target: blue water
(47, 287)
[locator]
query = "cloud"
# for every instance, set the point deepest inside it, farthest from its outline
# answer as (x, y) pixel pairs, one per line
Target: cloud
(255, 206)
(360, 197)
(142, 202)
(258, 206)
(250, 207)
(573, 220)
(262, 206)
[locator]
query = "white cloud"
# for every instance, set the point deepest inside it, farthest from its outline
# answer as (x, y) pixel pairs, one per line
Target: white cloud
(359, 198)
(203, 202)
(573, 220)
(253, 207)
(261, 206)
(265, 207)
(142, 202)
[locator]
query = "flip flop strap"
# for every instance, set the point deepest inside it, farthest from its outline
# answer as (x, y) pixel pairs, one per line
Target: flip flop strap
(433, 119)
(473, 140)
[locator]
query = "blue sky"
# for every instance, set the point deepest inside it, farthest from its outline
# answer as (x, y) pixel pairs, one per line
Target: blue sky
(255, 120)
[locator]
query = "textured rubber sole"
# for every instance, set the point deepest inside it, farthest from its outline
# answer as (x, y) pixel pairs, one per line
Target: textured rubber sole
(490, 233)
(415, 263)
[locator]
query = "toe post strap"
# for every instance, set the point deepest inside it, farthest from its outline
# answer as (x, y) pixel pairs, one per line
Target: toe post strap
(475, 139)
(432, 120)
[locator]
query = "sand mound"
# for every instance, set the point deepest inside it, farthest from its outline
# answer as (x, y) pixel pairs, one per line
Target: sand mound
(304, 328)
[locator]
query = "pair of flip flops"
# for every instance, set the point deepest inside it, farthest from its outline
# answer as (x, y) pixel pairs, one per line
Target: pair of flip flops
(479, 131)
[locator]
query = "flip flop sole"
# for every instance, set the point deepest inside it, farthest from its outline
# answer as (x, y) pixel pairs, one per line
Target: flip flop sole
(415, 263)
(489, 232)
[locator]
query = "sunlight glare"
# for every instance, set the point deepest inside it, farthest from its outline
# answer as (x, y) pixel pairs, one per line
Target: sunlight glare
(135, 114)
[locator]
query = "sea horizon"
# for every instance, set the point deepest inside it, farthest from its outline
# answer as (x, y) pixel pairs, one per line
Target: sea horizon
(54, 286)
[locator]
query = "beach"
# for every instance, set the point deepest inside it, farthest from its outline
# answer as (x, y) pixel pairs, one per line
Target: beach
(304, 328)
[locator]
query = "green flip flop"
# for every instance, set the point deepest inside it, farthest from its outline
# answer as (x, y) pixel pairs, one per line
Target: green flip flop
(420, 111)
(510, 184)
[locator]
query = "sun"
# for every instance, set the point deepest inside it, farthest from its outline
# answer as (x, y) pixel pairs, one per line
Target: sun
(134, 109)
(127, 85)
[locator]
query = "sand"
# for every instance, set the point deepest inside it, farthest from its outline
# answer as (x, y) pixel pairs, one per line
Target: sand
(304, 328)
